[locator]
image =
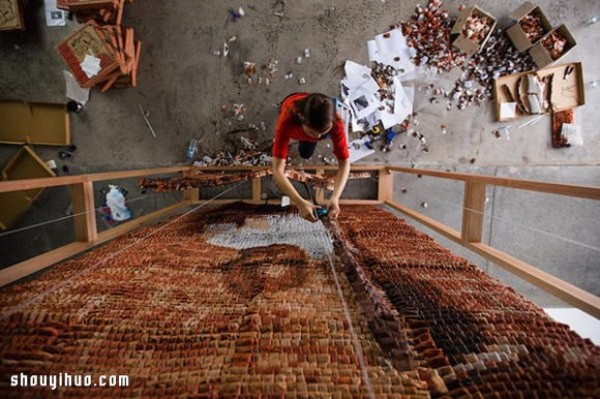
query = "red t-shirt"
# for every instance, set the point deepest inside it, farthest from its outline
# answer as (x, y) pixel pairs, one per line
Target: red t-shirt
(289, 127)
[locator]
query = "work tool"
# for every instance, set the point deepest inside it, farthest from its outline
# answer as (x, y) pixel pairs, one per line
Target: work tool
(147, 121)
(321, 211)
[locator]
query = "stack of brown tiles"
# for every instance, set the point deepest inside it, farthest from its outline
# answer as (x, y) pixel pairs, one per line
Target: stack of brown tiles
(101, 11)
(184, 318)
(103, 37)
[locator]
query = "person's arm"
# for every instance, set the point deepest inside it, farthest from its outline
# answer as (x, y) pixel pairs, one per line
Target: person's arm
(340, 183)
(306, 208)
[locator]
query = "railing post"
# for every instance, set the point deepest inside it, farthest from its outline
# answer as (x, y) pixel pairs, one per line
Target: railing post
(193, 194)
(82, 195)
(385, 189)
(474, 202)
(256, 190)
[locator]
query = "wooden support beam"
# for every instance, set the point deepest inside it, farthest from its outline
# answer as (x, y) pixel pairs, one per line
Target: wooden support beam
(44, 182)
(473, 208)
(567, 292)
(256, 190)
(385, 189)
(40, 262)
(570, 190)
(433, 224)
(84, 209)
(192, 194)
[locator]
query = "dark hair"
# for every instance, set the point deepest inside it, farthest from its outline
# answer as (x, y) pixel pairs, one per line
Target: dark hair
(316, 111)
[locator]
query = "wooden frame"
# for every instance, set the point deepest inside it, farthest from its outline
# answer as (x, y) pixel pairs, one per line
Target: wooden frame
(469, 236)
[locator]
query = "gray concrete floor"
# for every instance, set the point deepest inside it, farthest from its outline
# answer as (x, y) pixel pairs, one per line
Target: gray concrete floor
(184, 86)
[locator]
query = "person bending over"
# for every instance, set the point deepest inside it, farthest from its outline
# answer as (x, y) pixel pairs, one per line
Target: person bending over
(310, 118)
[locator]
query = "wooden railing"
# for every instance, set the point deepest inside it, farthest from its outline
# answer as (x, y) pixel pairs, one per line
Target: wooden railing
(87, 236)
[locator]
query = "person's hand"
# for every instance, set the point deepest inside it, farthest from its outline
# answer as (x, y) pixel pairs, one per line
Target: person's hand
(333, 210)
(308, 211)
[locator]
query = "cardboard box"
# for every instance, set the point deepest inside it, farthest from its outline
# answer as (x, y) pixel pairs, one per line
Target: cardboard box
(516, 33)
(462, 42)
(540, 54)
(34, 123)
(11, 14)
(567, 88)
(24, 165)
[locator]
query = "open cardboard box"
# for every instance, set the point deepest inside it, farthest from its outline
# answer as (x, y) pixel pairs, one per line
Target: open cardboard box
(34, 123)
(517, 34)
(567, 89)
(462, 42)
(24, 165)
(540, 55)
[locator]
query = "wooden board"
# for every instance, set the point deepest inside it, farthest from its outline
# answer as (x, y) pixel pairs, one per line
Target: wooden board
(24, 165)
(34, 123)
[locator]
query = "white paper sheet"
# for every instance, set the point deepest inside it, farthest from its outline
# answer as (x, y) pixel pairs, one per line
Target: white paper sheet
(345, 112)
(74, 91)
(90, 65)
(364, 99)
(403, 105)
(508, 110)
(391, 48)
(54, 16)
(356, 74)
(359, 150)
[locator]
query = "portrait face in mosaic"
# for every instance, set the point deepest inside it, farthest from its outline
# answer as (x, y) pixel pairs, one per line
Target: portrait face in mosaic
(266, 270)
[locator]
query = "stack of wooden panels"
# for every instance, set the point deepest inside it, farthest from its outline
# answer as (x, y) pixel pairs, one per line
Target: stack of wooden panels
(115, 48)
(11, 14)
(101, 11)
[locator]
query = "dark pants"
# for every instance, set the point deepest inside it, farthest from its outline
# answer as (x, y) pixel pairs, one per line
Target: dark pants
(306, 149)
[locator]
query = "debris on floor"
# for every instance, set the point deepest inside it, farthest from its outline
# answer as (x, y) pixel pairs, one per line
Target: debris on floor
(146, 116)
(242, 158)
(115, 209)
(236, 15)
(428, 32)
(192, 149)
(198, 180)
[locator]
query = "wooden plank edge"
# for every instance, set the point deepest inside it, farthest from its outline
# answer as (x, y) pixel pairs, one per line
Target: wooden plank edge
(44, 182)
(570, 190)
